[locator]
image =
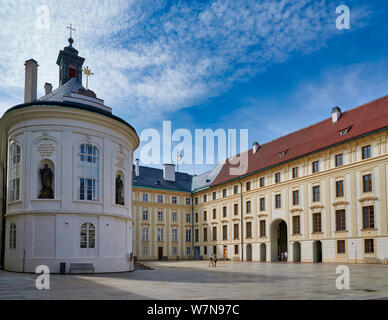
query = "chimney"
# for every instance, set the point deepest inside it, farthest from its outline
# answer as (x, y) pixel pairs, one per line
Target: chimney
(31, 80)
(48, 88)
(137, 168)
(335, 114)
(256, 147)
(169, 172)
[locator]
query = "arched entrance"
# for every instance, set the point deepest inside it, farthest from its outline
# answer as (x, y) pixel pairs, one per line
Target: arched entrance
(279, 242)
(263, 252)
(296, 252)
(249, 252)
(317, 251)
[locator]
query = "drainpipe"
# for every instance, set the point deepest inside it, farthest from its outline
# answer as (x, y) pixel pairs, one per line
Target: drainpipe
(4, 208)
(192, 226)
(242, 221)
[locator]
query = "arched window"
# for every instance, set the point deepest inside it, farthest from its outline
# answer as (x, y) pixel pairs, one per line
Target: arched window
(88, 172)
(88, 235)
(12, 236)
(14, 173)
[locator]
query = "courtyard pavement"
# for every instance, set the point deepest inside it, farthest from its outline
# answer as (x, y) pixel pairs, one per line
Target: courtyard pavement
(177, 280)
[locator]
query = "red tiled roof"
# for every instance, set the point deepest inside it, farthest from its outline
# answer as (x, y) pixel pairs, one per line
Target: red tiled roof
(364, 119)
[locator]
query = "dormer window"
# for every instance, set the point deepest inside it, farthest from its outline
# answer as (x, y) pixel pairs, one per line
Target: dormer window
(344, 131)
(281, 154)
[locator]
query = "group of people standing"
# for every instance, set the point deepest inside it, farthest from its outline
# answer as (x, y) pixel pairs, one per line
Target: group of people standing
(213, 260)
(283, 256)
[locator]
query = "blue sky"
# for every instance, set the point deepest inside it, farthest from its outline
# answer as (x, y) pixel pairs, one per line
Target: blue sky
(271, 67)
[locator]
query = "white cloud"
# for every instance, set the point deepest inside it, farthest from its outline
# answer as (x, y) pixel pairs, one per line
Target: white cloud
(153, 57)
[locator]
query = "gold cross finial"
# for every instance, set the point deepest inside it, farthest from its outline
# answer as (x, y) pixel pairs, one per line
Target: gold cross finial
(87, 73)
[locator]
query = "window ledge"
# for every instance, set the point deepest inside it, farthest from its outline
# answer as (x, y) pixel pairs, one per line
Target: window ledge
(14, 202)
(369, 229)
(101, 203)
(341, 231)
(46, 200)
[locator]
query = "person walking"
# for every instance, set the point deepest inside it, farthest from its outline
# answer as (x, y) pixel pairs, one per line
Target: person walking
(215, 260)
(210, 260)
(282, 256)
(285, 255)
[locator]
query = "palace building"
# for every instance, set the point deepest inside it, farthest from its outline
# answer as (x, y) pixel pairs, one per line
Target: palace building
(72, 199)
(66, 164)
(319, 193)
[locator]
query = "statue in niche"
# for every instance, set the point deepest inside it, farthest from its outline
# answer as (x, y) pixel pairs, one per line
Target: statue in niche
(119, 191)
(46, 177)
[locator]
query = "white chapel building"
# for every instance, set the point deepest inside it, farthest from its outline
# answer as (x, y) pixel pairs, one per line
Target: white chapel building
(65, 177)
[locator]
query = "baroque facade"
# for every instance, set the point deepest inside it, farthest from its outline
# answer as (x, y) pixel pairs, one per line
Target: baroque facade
(319, 194)
(66, 178)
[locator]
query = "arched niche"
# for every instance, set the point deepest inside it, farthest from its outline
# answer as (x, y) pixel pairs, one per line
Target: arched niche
(119, 187)
(46, 179)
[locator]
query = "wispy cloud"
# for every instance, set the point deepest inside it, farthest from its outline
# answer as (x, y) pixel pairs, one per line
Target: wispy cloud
(154, 57)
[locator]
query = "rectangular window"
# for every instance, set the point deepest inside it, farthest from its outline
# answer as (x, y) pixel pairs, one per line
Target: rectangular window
(236, 231)
(160, 198)
(214, 233)
(369, 246)
(174, 235)
(224, 232)
(224, 212)
(262, 204)
(295, 197)
(262, 182)
(214, 195)
(278, 201)
(188, 201)
(205, 216)
(366, 152)
(205, 250)
(235, 189)
(235, 209)
(214, 249)
(145, 234)
(145, 215)
(188, 235)
(340, 220)
(145, 197)
(204, 234)
(316, 166)
(196, 217)
(248, 207)
(188, 217)
(160, 215)
(368, 217)
(277, 177)
(248, 186)
(316, 193)
(236, 249)
(174, 200)
(188, 250)
(340, 246)
(145, 251)
(174, 217)
(248, 230)
(262, 228)
(339, 161)
(205, 198)
(160, 234)
(339, 188)
(174, 250)
(224, 193)
(295, 172)
(196, 200)
(367, 183)
(214, 214)
(317, 227)
(296, 224)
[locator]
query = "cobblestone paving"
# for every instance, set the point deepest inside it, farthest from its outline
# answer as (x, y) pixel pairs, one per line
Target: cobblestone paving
(178, 280)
